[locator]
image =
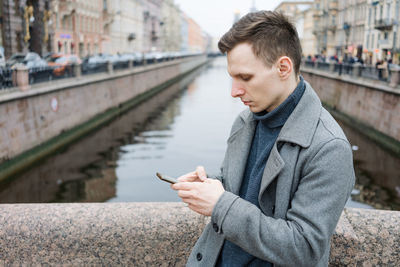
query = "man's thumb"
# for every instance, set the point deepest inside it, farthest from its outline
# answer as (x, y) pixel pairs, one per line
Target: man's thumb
(201, 173)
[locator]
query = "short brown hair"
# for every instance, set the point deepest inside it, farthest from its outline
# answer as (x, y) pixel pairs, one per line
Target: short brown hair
(270, 34)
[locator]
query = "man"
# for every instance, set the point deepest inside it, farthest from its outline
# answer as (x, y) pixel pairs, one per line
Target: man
(287, 171)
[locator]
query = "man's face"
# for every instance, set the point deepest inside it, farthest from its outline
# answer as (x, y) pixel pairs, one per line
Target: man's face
(258, 86)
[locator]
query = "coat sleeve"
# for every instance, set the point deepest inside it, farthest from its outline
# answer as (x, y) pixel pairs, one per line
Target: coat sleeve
(302, 238)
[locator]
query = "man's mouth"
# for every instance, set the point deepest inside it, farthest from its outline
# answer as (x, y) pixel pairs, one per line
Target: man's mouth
(246, 102)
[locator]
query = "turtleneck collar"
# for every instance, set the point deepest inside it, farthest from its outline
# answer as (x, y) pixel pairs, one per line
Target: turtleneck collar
(279, 115)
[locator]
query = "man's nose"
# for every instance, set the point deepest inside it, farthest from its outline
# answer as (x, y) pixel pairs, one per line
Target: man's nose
(237, 90)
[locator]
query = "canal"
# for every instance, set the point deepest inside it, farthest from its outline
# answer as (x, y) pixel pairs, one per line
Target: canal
(183, 126)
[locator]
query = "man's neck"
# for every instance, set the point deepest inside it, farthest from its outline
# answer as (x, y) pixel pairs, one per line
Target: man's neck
(291, 85)
(288, 87)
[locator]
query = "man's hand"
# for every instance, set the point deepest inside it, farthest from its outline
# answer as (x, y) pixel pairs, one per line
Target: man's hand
(200, 196)
(199, 175)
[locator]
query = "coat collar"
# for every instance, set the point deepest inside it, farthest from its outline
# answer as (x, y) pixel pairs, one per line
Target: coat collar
(301, 124)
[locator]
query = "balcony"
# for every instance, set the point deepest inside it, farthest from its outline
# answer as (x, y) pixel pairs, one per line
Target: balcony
(333, 6)
(108, 17)
(331, 27)
(317, 30)
(154, 36)
(385, 44)
(67, 7)
(318, 13)
(384, 24)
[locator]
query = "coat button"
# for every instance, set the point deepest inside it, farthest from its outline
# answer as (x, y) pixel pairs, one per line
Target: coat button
(199, 256)
(216, 228)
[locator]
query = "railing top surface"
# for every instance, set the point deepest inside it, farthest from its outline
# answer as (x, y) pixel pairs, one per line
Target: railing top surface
(368, 83)
(14, 94)
(158, 233)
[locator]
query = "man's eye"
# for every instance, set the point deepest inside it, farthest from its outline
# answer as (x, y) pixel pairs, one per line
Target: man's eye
(246, 78)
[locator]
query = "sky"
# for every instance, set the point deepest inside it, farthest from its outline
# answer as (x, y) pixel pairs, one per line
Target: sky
(216, 16)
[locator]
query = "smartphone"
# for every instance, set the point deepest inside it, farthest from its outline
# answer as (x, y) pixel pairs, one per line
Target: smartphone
(166, 178)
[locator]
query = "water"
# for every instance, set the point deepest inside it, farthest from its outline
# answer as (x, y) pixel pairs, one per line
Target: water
(182, 127)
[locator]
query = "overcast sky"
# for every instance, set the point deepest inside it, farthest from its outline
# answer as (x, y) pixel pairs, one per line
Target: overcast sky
(216, 16)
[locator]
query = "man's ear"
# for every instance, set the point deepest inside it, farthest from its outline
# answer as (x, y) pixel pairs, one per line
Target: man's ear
(285, 67)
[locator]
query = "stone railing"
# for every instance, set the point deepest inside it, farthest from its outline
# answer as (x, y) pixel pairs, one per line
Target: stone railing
(160, 234)
(391, 74)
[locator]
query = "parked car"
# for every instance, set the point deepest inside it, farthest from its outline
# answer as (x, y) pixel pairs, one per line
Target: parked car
(153, 57)
(95, 63)
(2, 58)
(63, 64)
(136, 57)
(2, 65)
(48, 55)
(33, 60)
(14, 59)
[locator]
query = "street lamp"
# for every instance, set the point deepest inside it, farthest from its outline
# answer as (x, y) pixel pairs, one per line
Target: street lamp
(29, 18)
(47, 21)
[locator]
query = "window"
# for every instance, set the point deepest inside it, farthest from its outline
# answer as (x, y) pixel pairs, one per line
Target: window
(105, 5)
(369, 16)
(373, 41)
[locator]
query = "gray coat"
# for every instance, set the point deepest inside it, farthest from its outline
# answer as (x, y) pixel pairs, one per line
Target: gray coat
(311, 169)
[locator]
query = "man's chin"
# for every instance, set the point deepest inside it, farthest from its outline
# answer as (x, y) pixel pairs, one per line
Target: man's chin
(254, 109)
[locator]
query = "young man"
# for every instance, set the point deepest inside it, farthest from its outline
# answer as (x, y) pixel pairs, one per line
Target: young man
(288, 169)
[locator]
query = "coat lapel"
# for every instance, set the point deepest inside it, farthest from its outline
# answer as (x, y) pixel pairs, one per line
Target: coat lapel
(273, 167)
(240, 148)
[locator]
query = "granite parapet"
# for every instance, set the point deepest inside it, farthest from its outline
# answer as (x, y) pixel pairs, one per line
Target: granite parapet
(160, 234)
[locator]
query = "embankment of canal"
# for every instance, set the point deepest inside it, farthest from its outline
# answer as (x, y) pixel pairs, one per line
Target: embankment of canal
(372, 107)
(160, 234)
(38, 122)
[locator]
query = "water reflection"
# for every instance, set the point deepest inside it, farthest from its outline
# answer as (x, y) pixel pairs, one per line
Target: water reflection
(377, 172)
(86, 171)
(180, 128)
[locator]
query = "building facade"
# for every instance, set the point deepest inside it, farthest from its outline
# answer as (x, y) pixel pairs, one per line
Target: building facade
(236, 16)
(25, 26)
(350, 28)
(80, 26)
(171, 37)
(381, 38)
(325, 26)
(151, 25)
(88, 27)
(1, 26)
(184, 32)
(302, 15)
(308, 39)
(196, 38)
(126, 28)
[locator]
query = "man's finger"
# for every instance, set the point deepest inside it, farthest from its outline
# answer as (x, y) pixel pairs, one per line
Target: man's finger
(190, 177)
(201, 172)
(184, 185)
(185, 195)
